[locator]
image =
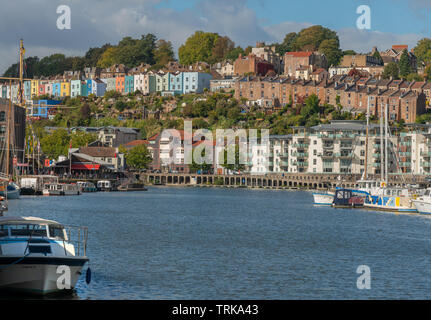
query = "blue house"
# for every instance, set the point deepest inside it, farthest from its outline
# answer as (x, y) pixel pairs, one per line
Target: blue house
(56, 89)
(176, 83)
(129, 84)
(41, 108)
(98, 87)
(196, 82)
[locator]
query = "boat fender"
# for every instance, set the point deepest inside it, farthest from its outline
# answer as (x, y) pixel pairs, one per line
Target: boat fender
(88, 276)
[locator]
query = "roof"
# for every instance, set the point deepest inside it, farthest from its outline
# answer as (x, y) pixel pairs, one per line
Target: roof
(299, 54)
(31, 220)
(99, 151)
(136, 143)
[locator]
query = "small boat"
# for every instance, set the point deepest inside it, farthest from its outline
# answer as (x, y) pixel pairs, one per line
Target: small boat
(61, 189)
(11, 191)
(391, 199)
(87, 186)
(423, 202)
(40, 256)
(34, 184)
(323, 198)
(347, 198)
(104, 185)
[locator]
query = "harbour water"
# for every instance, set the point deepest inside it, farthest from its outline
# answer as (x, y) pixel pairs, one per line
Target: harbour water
(216, 243)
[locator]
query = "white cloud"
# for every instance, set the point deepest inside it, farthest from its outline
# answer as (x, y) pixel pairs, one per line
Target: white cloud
(363, 41)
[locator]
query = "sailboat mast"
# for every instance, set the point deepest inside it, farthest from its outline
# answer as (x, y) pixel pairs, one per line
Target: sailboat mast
(381, 144)
(21, 72)
(8, 128)
(366, 140)
(386, 143)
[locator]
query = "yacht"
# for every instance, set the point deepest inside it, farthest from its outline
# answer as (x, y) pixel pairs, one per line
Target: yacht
(423, 202)
(11, 191)
(104, 185)
(86, 186)
(61, 189)
(40, 256)
(391, 199)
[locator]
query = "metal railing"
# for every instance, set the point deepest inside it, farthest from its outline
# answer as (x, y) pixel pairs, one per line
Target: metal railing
(78, 237)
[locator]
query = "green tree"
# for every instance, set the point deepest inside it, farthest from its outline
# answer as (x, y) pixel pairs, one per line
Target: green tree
(391, 70)
(414, 77)
(55, 144)
(288, 43)
(108, 58)
(404, 64)
(222, 46)
(163, 52)
(377, 55)
(312, 37)
(138, 157)
(428, 72)
(234, 54)
(311, 106)
(331, 49)
(81, 139)
(198, 47)
(423, 51)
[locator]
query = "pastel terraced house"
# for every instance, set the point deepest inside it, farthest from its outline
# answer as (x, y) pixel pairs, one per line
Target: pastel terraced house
(75, 88)
(65, 89)
(34, 88)
(128, 84)
(119, 84)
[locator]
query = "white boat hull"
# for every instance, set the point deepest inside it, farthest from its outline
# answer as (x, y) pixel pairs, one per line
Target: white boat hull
(38, 275)
(390, 208)
(13, 194)
(423, 207)
(323, 199)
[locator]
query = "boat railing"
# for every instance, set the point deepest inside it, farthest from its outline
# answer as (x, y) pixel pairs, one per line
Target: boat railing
(77, 236)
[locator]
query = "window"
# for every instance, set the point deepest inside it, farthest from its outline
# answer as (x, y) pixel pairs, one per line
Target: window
(2, 116)
(34, 230)
(56, 232)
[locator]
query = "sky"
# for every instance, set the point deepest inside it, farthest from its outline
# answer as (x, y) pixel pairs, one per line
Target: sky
(96, 22)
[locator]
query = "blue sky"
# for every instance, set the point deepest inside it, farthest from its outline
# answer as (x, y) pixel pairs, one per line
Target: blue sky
(97, 22)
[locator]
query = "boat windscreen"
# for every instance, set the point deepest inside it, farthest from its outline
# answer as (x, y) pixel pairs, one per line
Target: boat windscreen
(27, 230)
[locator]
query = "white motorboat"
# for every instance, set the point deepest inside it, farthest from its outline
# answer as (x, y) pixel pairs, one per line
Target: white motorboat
(104, 185)
(61, 189)
(40, 256)
(323, 198)
(11, 191)
(423, 203)
(391, 199)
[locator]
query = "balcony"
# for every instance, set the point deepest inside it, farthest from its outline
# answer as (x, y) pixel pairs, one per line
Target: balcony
(300, 154)
(345, 136)
(326, 136)
(426, 153)
(405, 154)
(405, 164)
(300, 145)
(300, 164)
(328, 146)
(426, 164)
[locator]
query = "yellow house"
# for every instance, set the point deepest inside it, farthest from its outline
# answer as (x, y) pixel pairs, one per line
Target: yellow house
(65, 89)
(34, 88)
